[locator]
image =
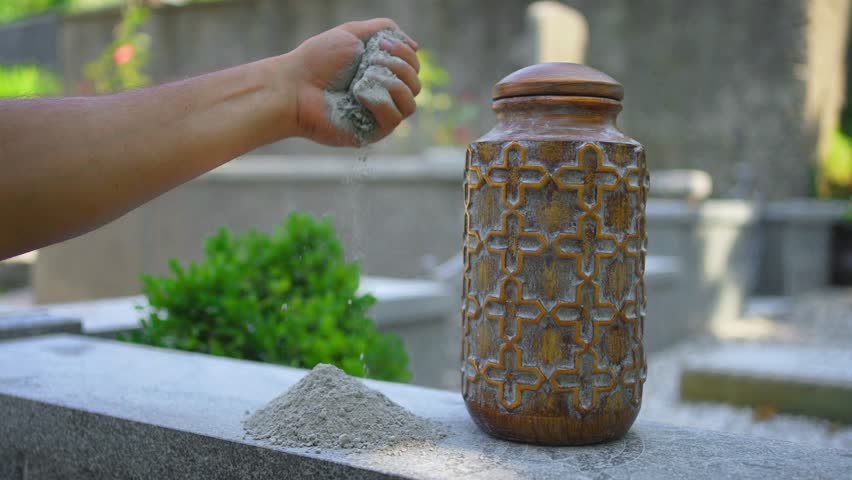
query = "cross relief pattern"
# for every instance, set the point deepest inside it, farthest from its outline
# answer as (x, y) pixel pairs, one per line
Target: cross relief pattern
(600, 310)
(514, 176)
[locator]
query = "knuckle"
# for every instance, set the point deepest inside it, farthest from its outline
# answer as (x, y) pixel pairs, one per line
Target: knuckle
(406, 106)
(389, 117)
(409, 110)
(387, 21)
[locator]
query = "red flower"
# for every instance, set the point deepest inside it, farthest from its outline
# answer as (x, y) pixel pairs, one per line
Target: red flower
(123, 54)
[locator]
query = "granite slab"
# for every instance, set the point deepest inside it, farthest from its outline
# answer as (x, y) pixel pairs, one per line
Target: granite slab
(73, 406)
(813, 380)
(30, 323)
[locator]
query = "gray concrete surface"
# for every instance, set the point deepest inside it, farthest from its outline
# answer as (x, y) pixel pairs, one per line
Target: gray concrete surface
(662, 402)
(815, 318)
(718, 245)
(682, 184)
(100, 409)
(784, 352)
(804, 380)
(667, 312)
(797, 255)
(16, 272)
(28, 324)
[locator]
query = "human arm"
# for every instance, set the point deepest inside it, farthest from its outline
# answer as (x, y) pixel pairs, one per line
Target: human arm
(69, 165)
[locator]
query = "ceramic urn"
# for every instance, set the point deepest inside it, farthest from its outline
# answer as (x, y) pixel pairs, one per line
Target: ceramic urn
(554, 256)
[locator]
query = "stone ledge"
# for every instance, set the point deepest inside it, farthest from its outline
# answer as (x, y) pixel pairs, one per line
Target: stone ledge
(341, 168)
(729, 212)
(30, 324)
(103, 409)
(807, 211)
(399, 302)
(15, 271)
(684, 184)
(796, 379)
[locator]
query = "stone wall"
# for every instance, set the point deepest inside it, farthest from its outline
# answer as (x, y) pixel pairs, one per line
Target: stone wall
(476, 40)
(747, 91)
(743, 89)
(34, 40)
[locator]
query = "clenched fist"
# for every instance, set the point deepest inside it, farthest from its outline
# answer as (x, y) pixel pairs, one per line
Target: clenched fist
(321, 64)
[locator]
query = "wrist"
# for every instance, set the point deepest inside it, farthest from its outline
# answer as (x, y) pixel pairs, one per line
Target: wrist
(281, 81)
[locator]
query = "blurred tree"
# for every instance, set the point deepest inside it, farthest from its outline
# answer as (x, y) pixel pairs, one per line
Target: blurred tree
(834, 173)
(11, 10)
(18, 81)
(84, 5)
(121, 64)
(834, 179)
(444, 118)
(846, 116)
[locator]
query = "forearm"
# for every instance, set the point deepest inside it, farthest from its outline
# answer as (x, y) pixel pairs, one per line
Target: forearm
(69, 165)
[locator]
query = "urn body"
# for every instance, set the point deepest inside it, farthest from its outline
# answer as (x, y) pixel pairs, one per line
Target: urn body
(554, 257)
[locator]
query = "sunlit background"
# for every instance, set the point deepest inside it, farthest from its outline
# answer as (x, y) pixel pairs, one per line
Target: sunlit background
(741, 106)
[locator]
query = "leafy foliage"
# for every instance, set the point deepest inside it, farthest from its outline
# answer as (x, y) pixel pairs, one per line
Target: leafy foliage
(11, 10)
(445, 118)
(120, 65)
(847, 215)
(28, 81)
(835, 171)
(288, 297)
(92, 5)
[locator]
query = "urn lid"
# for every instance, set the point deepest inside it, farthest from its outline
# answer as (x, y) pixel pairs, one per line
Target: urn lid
(569, 79)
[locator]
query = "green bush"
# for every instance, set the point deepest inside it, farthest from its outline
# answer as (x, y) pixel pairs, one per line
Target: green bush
(27, 81)
(835, 176)
(288, 297)
(12, 10)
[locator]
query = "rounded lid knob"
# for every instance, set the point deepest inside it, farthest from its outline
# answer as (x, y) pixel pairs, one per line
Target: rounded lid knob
(570, 79)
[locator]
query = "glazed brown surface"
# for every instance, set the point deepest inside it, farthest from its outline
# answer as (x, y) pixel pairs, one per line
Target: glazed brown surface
(558, 79)
(563, 430)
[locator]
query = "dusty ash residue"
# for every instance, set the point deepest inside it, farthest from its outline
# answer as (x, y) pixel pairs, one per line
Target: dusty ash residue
(329, 409)
(368, 83)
